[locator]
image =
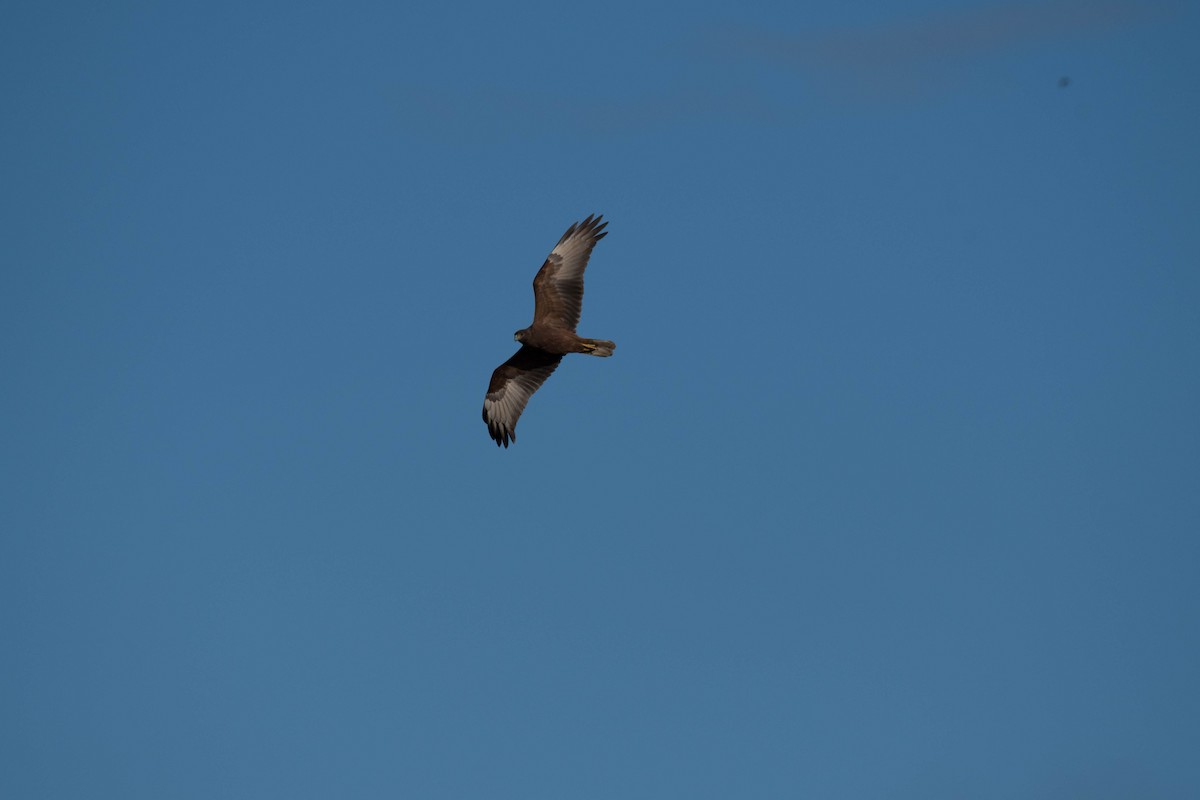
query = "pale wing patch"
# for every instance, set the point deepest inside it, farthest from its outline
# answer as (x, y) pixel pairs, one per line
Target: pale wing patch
(576, 245)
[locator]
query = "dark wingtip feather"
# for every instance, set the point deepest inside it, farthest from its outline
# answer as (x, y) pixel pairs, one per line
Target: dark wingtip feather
(501, 435)
(497, 431)
(570, 232)
(592, 225)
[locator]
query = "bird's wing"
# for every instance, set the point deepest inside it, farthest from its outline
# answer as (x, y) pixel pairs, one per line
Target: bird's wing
(513, 383)
(558, 286)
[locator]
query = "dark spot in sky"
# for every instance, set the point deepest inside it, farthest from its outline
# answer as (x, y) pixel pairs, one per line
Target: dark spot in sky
(1064, 82)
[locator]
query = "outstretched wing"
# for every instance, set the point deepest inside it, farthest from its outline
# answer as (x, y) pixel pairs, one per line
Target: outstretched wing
(513, 383)
(558, 286)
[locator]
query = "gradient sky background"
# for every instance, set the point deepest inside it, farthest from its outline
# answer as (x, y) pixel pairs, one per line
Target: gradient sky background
(892, 489)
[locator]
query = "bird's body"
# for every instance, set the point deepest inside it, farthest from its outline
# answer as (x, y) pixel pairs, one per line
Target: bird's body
(560, 342)
(558, 300)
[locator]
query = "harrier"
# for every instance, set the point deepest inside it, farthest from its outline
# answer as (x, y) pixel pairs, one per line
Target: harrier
(557, 300)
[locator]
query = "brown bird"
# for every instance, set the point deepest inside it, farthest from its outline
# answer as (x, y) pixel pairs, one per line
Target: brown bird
(557, 301)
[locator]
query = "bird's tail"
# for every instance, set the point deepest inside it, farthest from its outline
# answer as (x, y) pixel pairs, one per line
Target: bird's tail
(598, 347)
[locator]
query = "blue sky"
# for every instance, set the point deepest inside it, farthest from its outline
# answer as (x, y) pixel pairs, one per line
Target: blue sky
(890, 490)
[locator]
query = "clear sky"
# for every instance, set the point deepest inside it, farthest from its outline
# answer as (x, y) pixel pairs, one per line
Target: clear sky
(891, 490)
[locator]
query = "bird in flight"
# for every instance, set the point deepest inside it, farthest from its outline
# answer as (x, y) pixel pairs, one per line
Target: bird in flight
(557, 302)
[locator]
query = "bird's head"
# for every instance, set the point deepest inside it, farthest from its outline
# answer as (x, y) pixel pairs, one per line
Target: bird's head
(520, 335)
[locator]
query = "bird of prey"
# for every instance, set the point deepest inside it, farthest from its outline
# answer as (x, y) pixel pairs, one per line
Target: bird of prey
(557, 301)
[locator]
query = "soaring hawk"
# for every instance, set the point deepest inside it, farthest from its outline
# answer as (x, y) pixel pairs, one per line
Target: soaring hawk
(557, 300)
